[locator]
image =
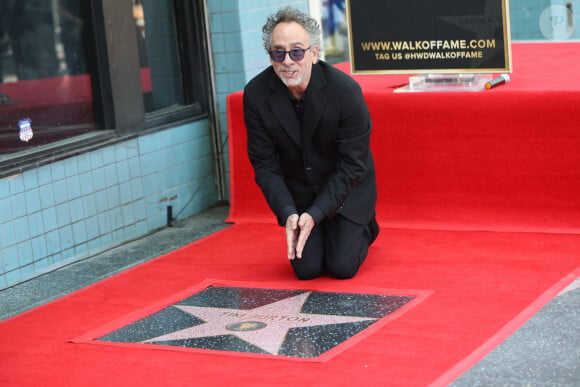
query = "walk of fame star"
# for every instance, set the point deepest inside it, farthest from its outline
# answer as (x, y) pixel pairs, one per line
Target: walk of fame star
(268, 333)
(279, 322)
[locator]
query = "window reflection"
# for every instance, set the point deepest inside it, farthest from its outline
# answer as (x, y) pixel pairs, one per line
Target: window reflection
(44, 74)
(74, 33)
(159, 54)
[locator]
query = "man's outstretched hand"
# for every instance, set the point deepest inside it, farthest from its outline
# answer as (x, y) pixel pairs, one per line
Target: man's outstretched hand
(297, 232)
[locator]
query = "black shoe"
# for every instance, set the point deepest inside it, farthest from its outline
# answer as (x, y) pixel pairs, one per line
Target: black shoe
(374, 229)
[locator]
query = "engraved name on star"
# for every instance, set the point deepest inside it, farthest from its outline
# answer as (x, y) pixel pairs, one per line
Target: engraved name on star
(265, 327)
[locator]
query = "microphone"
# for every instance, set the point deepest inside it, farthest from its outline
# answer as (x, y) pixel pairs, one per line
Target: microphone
(504, 78)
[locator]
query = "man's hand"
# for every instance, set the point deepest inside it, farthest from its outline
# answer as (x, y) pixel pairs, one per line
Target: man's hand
(297, 232)
(292, 235)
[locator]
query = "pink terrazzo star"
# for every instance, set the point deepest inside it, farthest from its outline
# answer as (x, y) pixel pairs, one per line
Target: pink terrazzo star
(265, 327)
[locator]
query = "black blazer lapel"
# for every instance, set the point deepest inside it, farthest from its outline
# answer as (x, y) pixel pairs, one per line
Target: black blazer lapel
(282, 108)
(315, 103)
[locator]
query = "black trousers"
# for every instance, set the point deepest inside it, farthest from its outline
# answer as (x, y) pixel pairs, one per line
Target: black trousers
(335, 246)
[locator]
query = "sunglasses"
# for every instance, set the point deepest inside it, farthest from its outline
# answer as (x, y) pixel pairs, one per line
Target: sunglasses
(296, 54)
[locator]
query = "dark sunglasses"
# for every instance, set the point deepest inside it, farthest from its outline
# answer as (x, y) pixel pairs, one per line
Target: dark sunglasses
(296, 54)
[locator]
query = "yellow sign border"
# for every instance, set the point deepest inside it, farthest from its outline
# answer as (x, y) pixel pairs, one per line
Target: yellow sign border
(507, 52)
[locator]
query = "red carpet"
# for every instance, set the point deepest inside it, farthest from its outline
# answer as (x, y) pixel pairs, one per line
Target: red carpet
(481, 282)
(485, 215)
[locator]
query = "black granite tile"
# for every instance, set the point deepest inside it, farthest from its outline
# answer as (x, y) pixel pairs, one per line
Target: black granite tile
(295, 323)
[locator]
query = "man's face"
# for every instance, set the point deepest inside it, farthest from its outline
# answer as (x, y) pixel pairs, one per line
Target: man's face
(294, 74)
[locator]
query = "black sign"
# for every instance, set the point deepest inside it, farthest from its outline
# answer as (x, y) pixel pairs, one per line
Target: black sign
(420, 36)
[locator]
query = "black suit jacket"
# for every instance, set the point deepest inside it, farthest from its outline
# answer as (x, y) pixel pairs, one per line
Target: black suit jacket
(324, 167)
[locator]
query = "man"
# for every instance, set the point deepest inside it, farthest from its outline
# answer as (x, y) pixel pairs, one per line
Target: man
(308, 141)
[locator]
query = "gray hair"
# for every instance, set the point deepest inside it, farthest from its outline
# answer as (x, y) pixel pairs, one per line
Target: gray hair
(288, 15)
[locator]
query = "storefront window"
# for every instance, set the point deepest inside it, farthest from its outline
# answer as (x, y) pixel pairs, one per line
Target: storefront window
(159, 54)
(45, 72)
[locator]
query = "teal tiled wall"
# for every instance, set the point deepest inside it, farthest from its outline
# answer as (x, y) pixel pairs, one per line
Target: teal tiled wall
(71, 209)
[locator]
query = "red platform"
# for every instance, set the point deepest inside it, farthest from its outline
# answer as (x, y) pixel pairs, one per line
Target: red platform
(501, 159)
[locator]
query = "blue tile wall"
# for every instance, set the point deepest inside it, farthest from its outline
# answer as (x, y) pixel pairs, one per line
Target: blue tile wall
(71, 209)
